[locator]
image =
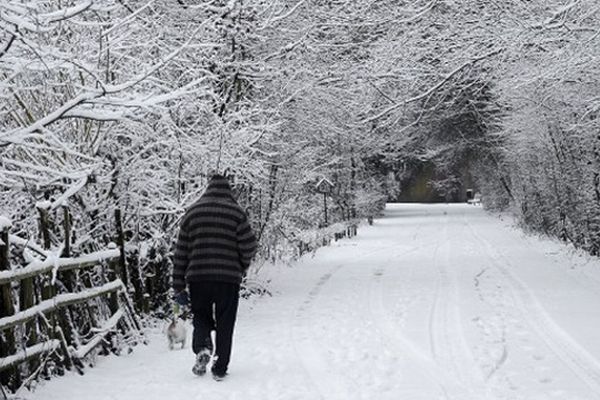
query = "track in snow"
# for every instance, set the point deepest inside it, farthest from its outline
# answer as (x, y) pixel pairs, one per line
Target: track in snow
(572, 355)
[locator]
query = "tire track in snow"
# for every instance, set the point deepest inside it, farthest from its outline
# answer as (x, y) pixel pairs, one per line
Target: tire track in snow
(493, 328)
(573, 355)
(448, 386)
(446, 335)
(391, 338)
(438, 338)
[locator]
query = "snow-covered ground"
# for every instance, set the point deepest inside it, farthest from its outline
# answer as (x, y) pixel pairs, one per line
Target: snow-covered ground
(432, 302)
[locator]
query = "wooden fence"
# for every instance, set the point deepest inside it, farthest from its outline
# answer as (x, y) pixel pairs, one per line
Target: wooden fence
(323, 236)
(52, 314)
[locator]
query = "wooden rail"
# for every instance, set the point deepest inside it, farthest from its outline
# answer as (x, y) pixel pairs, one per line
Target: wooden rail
(29, 353)
(37, 268)
(61, 300)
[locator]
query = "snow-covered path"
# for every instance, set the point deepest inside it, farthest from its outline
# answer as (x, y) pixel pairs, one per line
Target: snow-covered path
(432, 302)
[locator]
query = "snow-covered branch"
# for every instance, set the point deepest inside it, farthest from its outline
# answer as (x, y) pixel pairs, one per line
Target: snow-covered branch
(67, 13)
(278, 18)
(433, 88)
(30, 244)
(101, 333)
(16, 135)
(73, 189)
(561, 12)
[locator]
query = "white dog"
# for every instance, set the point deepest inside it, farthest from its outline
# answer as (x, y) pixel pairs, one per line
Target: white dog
(176, 333)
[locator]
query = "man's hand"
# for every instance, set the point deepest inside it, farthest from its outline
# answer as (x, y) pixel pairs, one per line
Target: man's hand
(182, 298)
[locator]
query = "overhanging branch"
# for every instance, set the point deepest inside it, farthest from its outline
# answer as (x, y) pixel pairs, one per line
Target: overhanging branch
(432, 89)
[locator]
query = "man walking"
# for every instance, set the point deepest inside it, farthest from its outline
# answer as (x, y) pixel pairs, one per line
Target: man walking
(212, 254)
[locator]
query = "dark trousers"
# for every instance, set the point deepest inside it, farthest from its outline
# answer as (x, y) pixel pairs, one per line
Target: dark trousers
(214, 305)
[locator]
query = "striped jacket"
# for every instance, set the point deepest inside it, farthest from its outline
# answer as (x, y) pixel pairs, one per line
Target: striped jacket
(215, 241)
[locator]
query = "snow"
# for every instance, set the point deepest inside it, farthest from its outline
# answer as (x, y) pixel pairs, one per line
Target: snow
(97, 115)
(431, 302)
(43, 205)
(5, 223)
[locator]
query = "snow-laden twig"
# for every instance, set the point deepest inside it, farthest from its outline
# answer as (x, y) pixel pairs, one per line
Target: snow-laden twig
(289, 47)
(561, 12)
(432, 89)
(21, 23)
(108, 326)
(130, 17)
(14, 239)
(16, 135)
(281, 17)
(97, 115)
(7, 45)
(73, 174)
(146, 101)
(67, 13)
(76, 187)
(55, 265)
(43, 205)
(111, 89)
(419, 13)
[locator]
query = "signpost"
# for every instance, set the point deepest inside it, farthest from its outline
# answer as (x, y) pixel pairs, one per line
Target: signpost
(325, 186)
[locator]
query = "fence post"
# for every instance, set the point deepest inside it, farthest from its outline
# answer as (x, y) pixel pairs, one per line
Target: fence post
(9, 377)
(65, 328)
(58, 323)
(67, 229)
(129, 275)
(122, 269)
(113, 273)
(27, 299)
(67, 277)
(27, 287)
(44, 228)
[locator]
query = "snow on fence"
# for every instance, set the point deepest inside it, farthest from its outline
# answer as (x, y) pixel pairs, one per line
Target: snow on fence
(311, 240)
(54, 265)
(28, 353)
(42, 306)
(61, 300)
